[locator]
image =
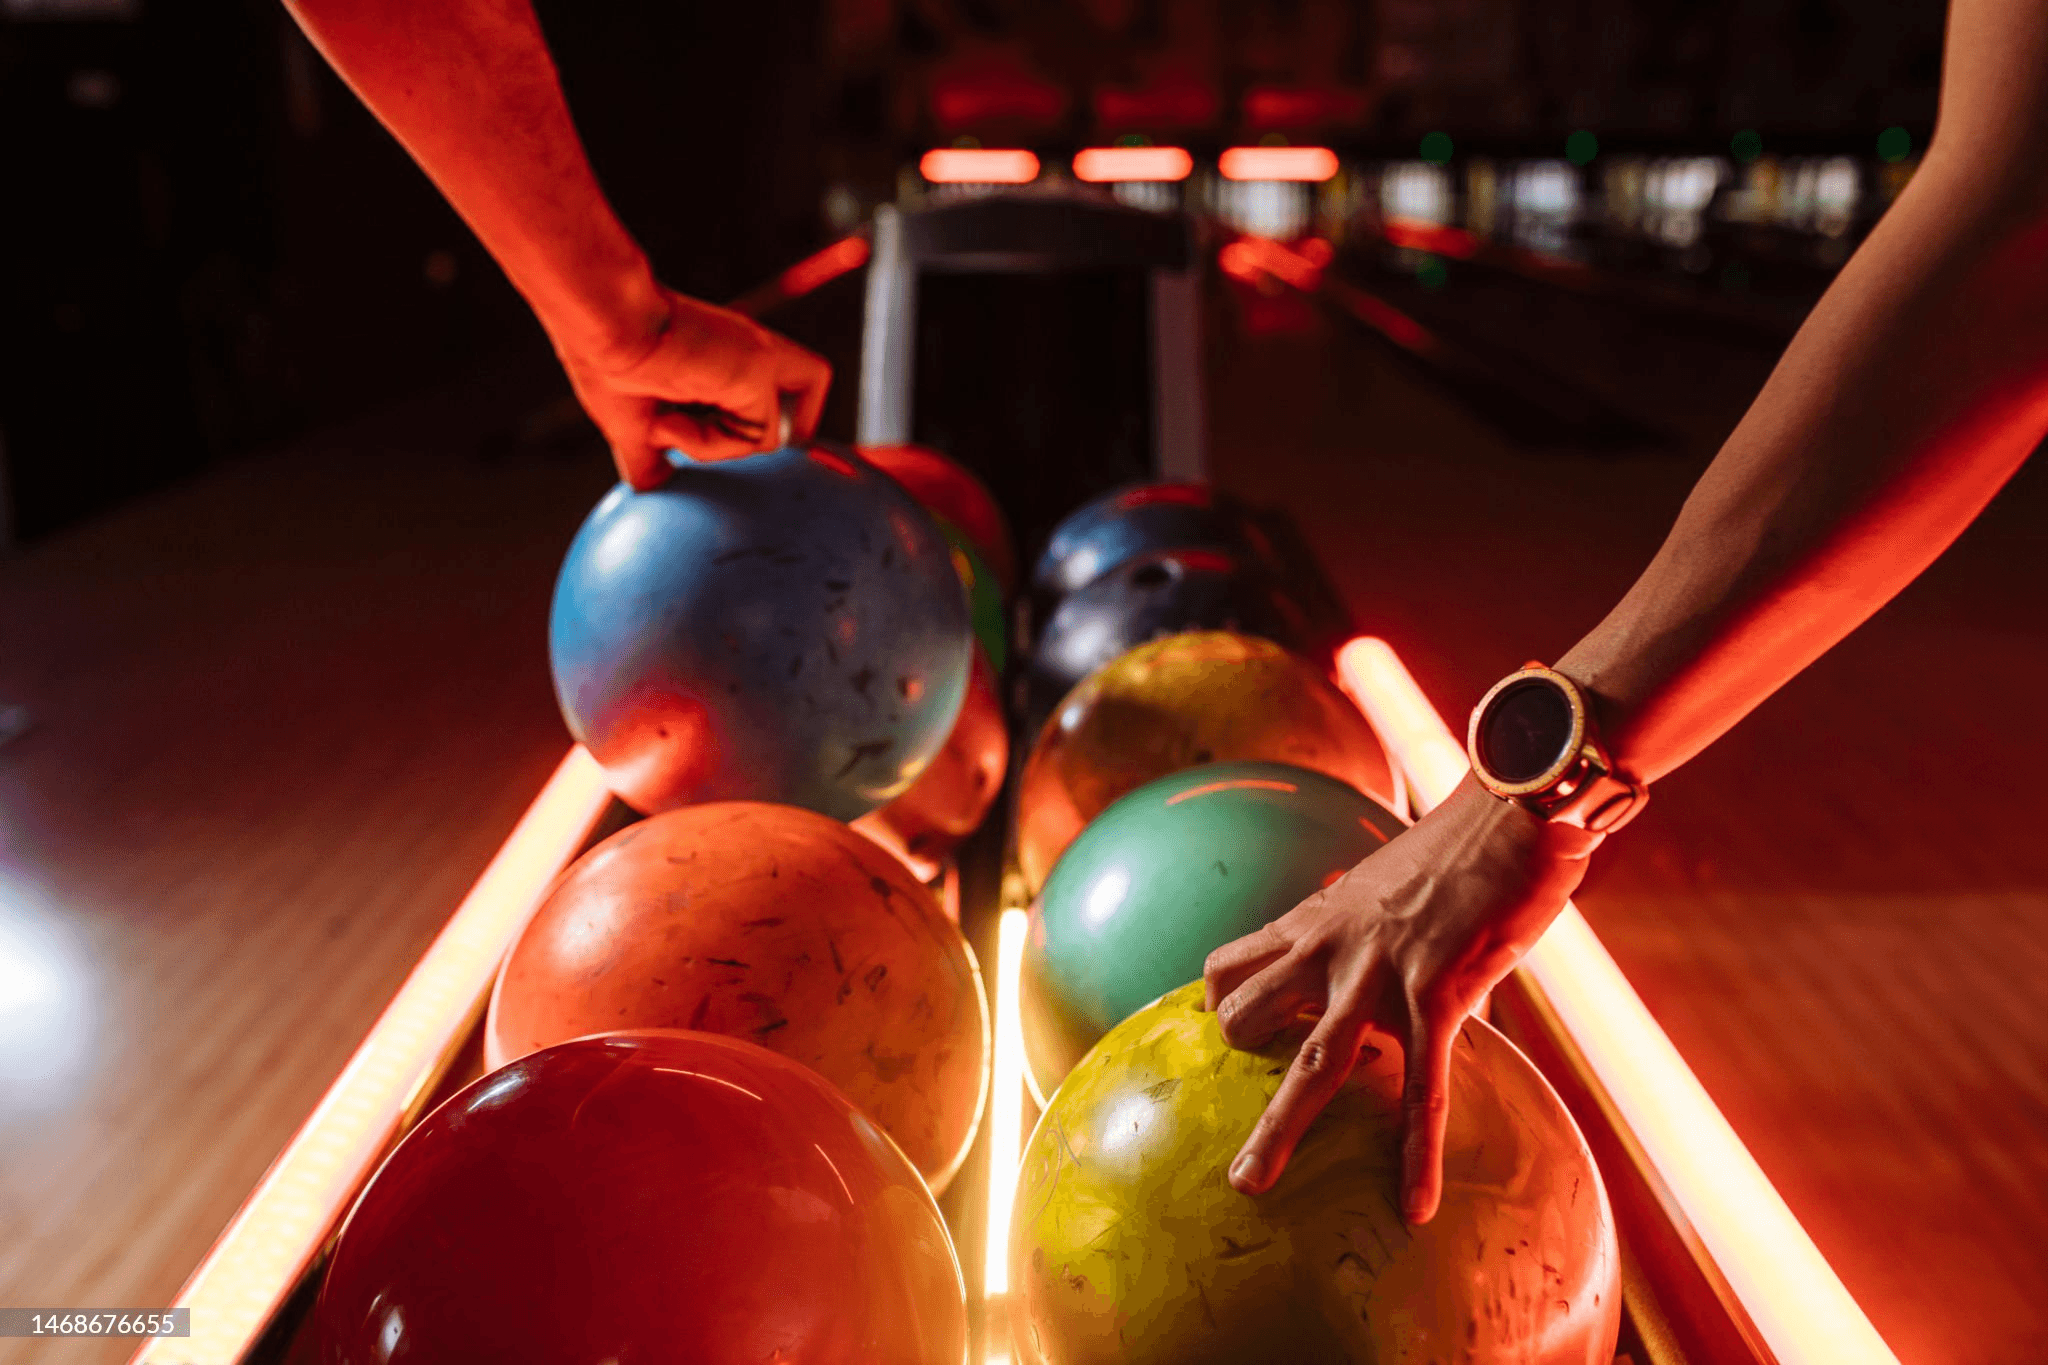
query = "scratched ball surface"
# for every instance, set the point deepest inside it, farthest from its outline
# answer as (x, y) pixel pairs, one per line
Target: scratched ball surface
(1206, 696)
(1128, 1244)
(785, 627)
(1169, 873)
(776, 925)
(644, 1197)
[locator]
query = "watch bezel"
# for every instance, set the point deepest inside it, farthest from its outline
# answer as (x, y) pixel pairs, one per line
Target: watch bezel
(1569, 757)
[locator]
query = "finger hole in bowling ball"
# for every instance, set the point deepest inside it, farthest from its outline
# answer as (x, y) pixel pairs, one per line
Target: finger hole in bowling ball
(1152, 577)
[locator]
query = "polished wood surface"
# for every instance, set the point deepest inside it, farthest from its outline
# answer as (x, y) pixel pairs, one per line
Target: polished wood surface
(1840, 911)
(283, 717)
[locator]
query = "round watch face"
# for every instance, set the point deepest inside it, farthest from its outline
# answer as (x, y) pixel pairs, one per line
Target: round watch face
(1526, 731)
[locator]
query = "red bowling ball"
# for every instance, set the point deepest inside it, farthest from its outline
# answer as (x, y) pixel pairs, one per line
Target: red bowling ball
(659, 1196)
(947, 488)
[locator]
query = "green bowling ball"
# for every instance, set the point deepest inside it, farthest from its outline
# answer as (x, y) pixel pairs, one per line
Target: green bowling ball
(984, 593)
(1167, 874)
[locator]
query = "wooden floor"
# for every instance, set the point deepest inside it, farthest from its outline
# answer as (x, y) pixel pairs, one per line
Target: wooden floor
(285, 715)
(1839, 912)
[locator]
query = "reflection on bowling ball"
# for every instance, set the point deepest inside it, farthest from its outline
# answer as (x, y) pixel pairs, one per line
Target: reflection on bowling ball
(644, 1196)
(1120, 526)
(946, 488)
(771, 924)
(1163, 593)
(1201, 697)
(1129, 1245)
(1175, 870)
(984, 594)
(923, 826)
(784, 627)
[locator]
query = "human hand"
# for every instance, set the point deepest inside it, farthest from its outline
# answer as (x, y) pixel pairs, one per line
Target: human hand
(708, 382)
(1410, 940)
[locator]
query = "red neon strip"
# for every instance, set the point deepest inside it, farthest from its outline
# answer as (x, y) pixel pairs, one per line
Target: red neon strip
(1278, 163)
(1456, 243)
(849, 253)
(1105, 164)
(978, 166)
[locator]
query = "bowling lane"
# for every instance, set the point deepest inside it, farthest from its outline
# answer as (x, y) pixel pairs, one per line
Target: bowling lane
(1839, 911)
(283, 718)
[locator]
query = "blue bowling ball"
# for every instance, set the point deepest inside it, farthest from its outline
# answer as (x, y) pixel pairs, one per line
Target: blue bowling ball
(1118, 527)
(785, 627)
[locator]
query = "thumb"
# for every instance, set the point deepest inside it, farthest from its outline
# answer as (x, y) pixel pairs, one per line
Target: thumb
(1425, 1105)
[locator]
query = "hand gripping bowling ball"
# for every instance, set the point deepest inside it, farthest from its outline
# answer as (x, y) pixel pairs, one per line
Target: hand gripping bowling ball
(946, 488)
(785, 627)
(1166, 592)
(1129, 1245)
(771, 924)
(660, 1196)
(1171, 872)
(1120, 526)
(1200, 697)
(923, 826)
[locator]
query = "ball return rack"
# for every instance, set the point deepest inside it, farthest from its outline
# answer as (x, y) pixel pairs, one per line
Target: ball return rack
(1715, 1266)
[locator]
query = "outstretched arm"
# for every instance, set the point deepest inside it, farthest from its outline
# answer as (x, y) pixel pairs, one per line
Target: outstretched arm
(1912, 392)
(469, 88)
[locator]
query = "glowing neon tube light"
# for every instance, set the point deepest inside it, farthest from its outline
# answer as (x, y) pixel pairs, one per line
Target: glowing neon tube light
(1104, 165)
(1792, 1295)
(1278, 163)
(273, 1239)
(978, 166)
(1006, 1106)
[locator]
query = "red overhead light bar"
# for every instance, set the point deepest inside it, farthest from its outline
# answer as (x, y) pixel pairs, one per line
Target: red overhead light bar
(978, 166)
(1099, 165)
(1278, 163)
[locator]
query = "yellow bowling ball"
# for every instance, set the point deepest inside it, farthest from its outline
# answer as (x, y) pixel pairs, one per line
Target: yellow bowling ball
(1129, 1246)
(1207, 696)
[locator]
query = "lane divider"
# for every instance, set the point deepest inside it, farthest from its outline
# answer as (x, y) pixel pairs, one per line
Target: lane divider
(276, 1236)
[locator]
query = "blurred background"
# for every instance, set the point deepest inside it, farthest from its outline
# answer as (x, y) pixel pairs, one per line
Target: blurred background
(208, 245)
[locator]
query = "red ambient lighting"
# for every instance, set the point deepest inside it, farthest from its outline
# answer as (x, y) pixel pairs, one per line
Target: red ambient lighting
(1099, 165)
(978, 166)
(1278, 163)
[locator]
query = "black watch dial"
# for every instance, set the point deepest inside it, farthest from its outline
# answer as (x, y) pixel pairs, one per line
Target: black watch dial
(1526, 731)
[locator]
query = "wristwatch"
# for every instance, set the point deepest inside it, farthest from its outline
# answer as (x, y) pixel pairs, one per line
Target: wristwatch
(1533, 741)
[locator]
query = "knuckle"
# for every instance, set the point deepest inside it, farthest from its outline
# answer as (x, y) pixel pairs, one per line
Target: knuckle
(1316, 1059)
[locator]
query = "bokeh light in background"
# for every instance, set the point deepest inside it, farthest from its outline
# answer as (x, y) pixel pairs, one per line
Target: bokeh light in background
(1746, 145)
(1581, 147)
(1436, 148)
(47, 1019)
(1894, 144)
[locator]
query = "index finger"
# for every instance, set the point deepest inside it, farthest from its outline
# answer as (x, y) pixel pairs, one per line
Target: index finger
(1318, 1070)
(803, 379)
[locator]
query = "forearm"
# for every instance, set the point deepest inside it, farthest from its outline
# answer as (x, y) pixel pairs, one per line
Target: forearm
(1916, 387)
(469, 88)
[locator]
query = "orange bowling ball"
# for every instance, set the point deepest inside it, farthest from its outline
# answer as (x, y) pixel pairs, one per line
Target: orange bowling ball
(772, 924)
(1209, 696)
(948, 800)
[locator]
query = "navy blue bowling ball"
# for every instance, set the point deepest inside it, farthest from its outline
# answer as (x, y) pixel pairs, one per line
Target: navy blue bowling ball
(1119, 526)
(785, 627)
(1164, 592)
